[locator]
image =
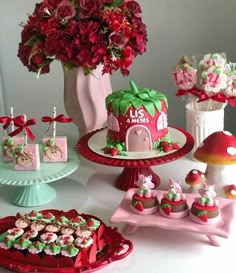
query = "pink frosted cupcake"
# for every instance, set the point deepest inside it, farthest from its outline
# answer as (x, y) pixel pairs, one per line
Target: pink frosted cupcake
(48, 237)
(15, 232)
(30, 234)
(64, 240)
(83, 242)
(53, 227)
(37, 225)
(22, 223)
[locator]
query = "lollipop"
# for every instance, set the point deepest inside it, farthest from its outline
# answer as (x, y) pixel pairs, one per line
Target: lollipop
(185, 76)
(213, 79)
(231, 84)
(210, 59)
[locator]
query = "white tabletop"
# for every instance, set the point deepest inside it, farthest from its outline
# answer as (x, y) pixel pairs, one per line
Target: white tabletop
(90, 189)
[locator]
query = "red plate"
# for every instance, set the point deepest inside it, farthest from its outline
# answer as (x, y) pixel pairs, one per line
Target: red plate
(112, 246)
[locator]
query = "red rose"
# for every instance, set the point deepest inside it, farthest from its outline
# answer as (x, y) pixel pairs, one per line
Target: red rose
(134, 7)
(89, 7)
(65, 11)
(118, 39)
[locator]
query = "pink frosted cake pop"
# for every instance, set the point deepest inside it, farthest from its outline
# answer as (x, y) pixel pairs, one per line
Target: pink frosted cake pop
(185, 76)
(213, 79)
(215, 59)
(173, 203)
(231, 84)
(55, 148)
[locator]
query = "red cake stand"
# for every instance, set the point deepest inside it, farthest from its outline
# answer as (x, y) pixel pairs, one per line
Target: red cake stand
(133, 167)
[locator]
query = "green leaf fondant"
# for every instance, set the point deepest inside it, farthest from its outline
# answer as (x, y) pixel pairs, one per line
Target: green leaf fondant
(124, 106)
(149, 107)
(121, 100)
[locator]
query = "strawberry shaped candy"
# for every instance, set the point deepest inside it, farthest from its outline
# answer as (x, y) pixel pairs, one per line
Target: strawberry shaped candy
(138, 205)
(202, 215)
(166, 208)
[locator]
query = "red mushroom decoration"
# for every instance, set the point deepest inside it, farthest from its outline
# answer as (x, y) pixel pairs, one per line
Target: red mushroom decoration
(218, 151)
(195, 178)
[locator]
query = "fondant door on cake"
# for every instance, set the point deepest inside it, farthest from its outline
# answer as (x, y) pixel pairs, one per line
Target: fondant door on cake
(138, 138)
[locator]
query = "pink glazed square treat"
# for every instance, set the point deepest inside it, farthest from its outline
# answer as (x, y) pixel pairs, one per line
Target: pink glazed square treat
(26, 158)
(54, 149)
(9, 143)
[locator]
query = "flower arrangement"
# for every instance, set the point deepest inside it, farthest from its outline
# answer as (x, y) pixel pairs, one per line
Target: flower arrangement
(208, 82)
(83, 33)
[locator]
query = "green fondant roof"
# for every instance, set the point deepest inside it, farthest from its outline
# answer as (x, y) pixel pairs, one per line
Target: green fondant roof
(148, 98)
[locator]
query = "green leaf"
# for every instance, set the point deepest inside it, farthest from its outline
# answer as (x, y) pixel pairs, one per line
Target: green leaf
(143, 95)
(116, 3)
(124, 105)
(157, 104)
(116, 106)
(108, 100)
(32, 40)
(137, 103)
(149, 107)
(128, 97)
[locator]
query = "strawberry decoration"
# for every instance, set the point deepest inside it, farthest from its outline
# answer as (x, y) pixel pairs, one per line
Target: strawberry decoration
(138, 205)
(175, 146)
(166, 208)
(114, 151)
(90, 223)
(167, 147)
(202, 215)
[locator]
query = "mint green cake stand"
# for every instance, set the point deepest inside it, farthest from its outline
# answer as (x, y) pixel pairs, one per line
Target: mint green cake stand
(32, 186)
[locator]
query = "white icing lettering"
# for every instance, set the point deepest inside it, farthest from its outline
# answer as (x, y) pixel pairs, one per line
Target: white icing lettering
(136, 113)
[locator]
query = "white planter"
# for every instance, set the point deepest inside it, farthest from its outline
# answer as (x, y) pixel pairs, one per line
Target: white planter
(200, 124)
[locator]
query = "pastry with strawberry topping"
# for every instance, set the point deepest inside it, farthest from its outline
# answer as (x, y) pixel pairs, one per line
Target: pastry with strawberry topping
(205, 209)
(174, 204)
(144, 200)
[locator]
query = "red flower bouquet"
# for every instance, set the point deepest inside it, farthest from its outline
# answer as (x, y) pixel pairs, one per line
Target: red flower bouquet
(83, 33)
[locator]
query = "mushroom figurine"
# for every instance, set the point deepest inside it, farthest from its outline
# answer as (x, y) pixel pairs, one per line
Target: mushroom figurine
(218, 151)
(194, 179)
(230, 191)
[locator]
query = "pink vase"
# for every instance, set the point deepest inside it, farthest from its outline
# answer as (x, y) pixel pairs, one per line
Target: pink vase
(84, 98)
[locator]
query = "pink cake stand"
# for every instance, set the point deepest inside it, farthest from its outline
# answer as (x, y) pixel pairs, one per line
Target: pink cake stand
(223, 228)
(132, 166)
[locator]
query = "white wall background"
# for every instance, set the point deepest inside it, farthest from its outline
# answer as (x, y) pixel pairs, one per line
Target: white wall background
(175, 27)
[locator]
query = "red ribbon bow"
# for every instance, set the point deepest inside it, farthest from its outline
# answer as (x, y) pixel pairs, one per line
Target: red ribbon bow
(8, 120)
(232, 101)
(59, 118)
(22, 126)
(194, 91)
(217, 97)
